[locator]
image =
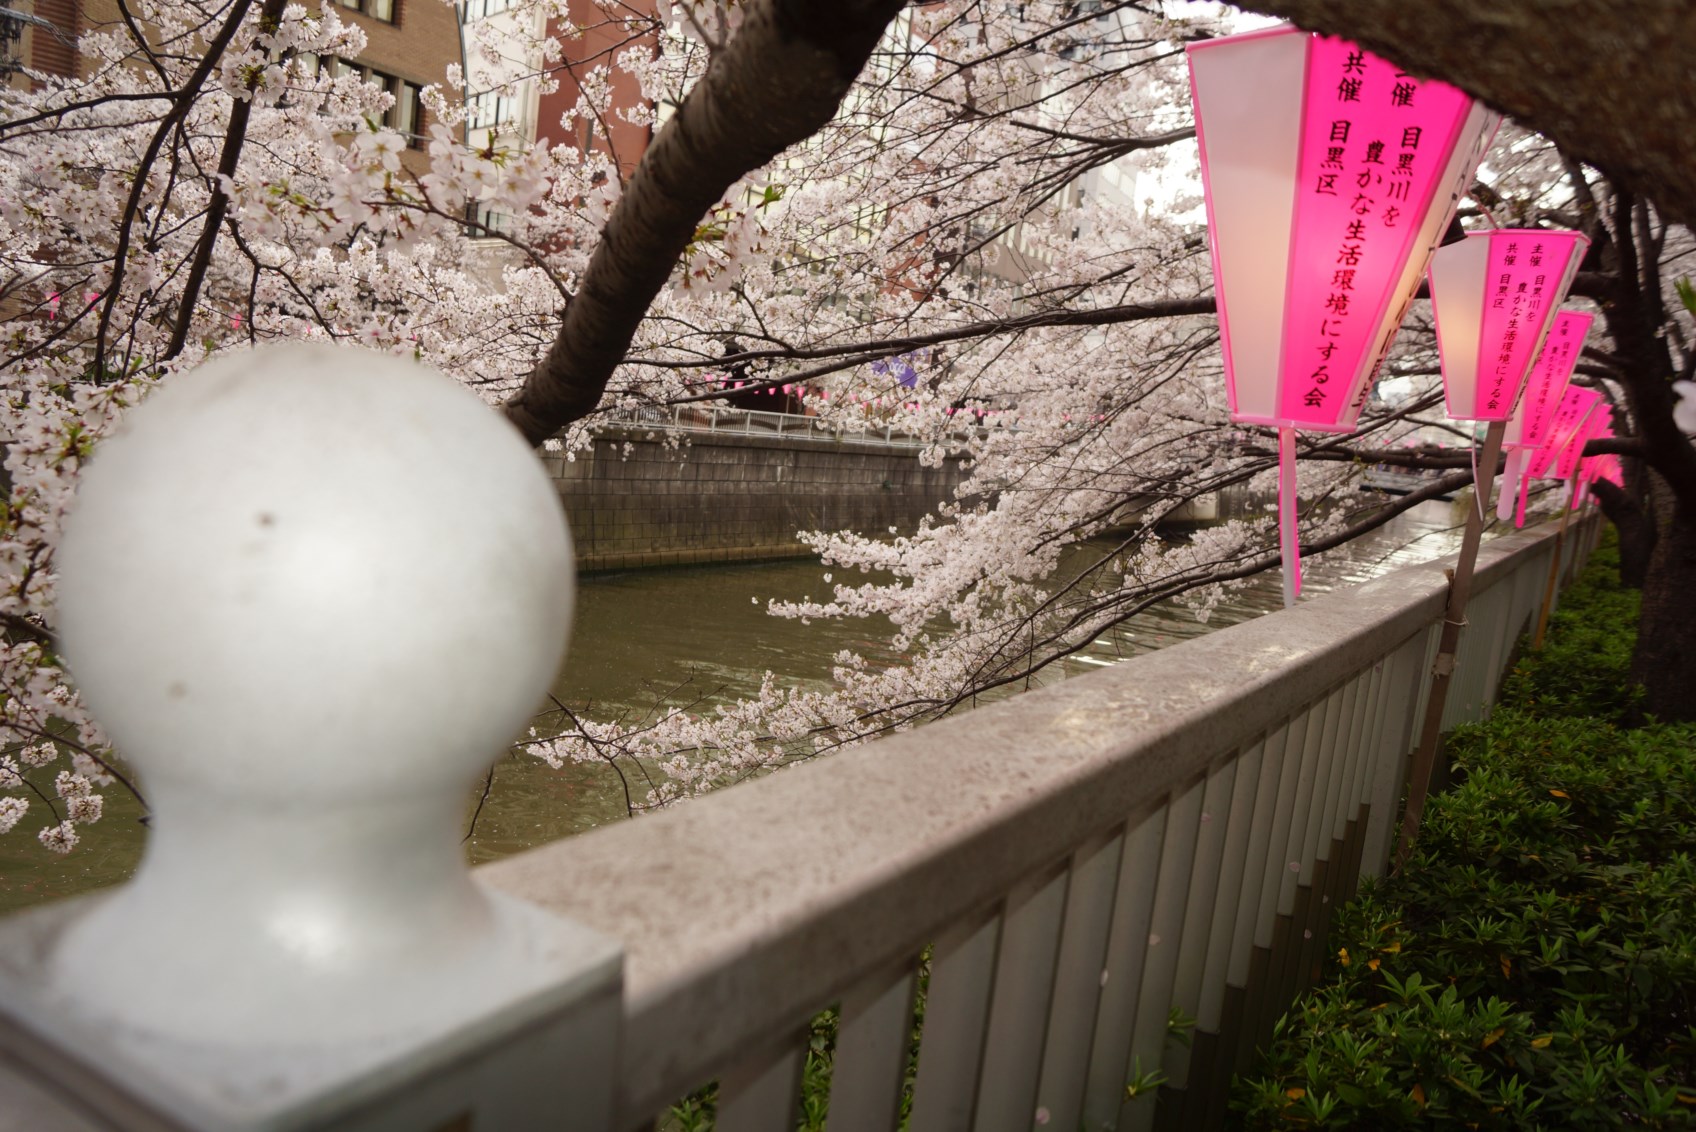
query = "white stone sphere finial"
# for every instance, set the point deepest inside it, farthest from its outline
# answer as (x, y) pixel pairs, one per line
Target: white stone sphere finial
(311, 592)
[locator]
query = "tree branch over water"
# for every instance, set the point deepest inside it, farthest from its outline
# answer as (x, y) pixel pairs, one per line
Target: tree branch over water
(780, 79)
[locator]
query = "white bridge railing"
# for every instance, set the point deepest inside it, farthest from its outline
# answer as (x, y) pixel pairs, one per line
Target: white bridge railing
(301, 948)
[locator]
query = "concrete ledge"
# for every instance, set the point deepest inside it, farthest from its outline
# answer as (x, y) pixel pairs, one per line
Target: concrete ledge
(606, 563)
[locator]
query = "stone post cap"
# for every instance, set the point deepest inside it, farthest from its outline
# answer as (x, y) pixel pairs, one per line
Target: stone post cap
(311, 592)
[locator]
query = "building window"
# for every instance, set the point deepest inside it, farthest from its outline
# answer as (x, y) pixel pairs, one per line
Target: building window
(11, 42)
(481, 9)
(484, 221)
(490, 110)
(406, 116)
(377, 9)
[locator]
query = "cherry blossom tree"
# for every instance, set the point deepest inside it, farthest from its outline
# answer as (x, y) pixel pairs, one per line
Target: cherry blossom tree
(1635, 132)
(1027, 102)
(206, 185)
(979, 218)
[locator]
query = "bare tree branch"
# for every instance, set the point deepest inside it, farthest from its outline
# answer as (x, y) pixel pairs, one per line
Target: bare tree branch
(235, 135)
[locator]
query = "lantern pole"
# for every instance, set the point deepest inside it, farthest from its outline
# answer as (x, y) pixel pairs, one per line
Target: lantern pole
(1289, 537)
(1554, 573)
(1513, 468)
(1454, 617)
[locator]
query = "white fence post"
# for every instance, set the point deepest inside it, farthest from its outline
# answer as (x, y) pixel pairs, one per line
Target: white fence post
(311, 593)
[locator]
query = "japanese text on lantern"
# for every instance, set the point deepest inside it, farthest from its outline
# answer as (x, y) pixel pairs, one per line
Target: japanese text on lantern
(1549, 377)
(1513, 316)
(1572, 452)
(1569, 418)
(1374, 144)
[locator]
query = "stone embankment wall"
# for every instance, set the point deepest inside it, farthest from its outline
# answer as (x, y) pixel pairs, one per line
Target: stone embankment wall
(634, 501)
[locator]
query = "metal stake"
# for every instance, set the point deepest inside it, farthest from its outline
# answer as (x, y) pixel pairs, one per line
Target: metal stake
(1554, 576)
(1454, 617)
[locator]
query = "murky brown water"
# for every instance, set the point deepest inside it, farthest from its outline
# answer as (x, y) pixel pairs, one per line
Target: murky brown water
(654, 637)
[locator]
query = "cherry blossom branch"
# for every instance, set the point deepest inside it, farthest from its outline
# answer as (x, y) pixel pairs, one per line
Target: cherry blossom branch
(10, 127)
(780, 78)
(1248, 569)
(235, 135)
(23, 627)
(859, 353)
(82, 750)
(181, 102)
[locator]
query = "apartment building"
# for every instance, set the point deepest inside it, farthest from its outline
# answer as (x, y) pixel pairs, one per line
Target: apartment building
(41, 35)
(506, 103)
(411, 44)
(603, 36)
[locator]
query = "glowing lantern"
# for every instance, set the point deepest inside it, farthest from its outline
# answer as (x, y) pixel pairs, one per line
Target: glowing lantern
(1584, 467)
(1494, 295)
(1568, 432)
(1528, 429)
(1595, 424)
(1605, 467)
(1330, 175)
(1570, 418)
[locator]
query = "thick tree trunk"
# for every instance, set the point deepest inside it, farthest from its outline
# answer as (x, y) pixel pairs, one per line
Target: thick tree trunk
(1636, 529)
(1665, 660)
(1609, 80)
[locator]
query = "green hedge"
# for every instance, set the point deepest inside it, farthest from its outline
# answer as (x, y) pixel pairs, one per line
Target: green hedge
(1534, 966)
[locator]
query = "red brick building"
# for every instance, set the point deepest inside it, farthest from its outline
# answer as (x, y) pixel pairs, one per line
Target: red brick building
(411, 44)
(605, 36)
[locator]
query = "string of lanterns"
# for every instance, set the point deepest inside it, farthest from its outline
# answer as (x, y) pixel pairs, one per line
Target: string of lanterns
(1331, 177)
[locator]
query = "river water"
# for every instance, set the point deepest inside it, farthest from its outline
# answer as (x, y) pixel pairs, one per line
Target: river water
(653, 637)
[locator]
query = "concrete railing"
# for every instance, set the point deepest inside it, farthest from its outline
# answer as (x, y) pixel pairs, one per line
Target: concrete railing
(1169, 833)
(1066, 868)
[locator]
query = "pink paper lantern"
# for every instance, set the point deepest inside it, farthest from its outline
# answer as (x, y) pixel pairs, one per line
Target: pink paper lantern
(1570, 418)
(1529, 427)
(1595, 424)
(1546, 387)
(1568, 433)
(1495, 295)
(1585, 467)
(1330, 175)
(1603, 468)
